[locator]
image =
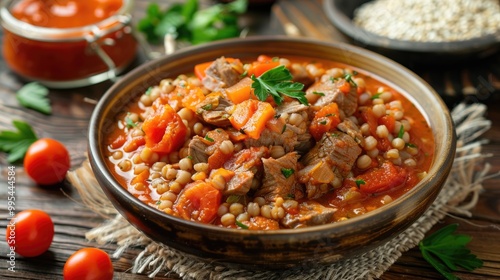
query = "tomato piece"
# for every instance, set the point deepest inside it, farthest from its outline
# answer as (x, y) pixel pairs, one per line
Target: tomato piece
(389, 121)
(31, 232)
(251, 117)
(198, 201)
(88, 264)
(263, 64)
(47, 161)
(368, 117)
(382, 178)
(164, 130)
(325, 120)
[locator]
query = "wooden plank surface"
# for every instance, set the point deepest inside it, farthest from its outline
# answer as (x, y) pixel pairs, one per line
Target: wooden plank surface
(69, 123)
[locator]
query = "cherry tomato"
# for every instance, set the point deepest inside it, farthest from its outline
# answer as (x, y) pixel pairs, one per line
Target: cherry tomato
(30, 232)
(47, 161)
(88, 264)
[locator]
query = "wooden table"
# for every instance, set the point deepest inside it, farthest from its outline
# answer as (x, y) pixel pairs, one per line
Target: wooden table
(72, 220)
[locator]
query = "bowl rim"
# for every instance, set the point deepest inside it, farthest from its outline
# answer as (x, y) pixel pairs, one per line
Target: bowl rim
(98, 164)
(345, 25)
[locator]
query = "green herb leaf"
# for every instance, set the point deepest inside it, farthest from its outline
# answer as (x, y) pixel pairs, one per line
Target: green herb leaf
(16, 143)
(240, 224)
(348, 78)
(446, 251)
(34, 96)
(376, 95)
(401, 131)
(187, 22)
(129, 123)
(318, 93)
(209, 139)
(233, 199)
(360, 182)
(411, 145)
(287, 172)
(277, 82)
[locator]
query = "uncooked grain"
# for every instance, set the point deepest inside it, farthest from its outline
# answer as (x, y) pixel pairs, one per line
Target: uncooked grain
(430, 20)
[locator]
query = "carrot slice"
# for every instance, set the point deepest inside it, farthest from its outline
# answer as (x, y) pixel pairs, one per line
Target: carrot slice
(199, 69)
(240, 91)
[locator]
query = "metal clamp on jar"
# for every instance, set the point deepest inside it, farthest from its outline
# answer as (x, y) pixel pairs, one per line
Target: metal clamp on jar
(66, 57)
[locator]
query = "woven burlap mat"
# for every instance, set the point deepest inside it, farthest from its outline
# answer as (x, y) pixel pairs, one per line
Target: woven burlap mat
(457, 197)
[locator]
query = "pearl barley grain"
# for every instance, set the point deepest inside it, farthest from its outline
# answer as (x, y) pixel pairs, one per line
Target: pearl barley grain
(430, 20)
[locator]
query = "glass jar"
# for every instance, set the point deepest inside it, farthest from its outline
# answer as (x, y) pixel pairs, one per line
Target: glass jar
(68, 57)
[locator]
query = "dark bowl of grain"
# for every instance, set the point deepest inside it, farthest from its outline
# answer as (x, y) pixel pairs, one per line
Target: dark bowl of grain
(348, 152)
(419, 31)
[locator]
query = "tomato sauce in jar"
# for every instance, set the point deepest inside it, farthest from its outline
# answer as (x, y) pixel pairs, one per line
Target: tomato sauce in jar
(67, 43)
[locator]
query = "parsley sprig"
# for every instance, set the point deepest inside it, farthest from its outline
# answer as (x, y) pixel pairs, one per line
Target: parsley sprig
(446, 251)
(277, 82)
(187, 22)
(34, 96)
(16, 142)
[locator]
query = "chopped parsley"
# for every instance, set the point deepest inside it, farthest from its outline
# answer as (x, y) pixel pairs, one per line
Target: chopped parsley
(348, 78)
(240, 224)
(148, 91)
(318, 93)
(207, 107)
(360, 182)
(287, 172)
(401, 131)
(209, 139)
(376, 95)
(233, 199)
(129, 123)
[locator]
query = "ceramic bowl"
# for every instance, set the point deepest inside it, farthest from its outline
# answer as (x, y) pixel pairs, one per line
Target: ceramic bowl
(280, 248)
(340, 13)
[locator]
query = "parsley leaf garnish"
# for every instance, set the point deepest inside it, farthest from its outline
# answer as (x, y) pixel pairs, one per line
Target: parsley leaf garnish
(446, 251)
(287, 172)
(34, 96)
(16, 143)
(277, 82)
(240, 224)
(129, 123)
(360, 182)
(401, 132)
(209, 139)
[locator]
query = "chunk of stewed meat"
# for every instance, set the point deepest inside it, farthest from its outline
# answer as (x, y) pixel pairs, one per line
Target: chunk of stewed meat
(329, 161)
(279, 178)
(329, 90)
(310, 214)
(220, 74)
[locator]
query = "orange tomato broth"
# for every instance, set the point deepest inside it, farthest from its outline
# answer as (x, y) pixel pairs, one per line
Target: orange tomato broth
(420, 134)
(65, 13)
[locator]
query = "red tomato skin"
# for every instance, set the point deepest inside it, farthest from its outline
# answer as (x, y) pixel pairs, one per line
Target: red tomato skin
(32, 233)
(47, 161)
(88, 264)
